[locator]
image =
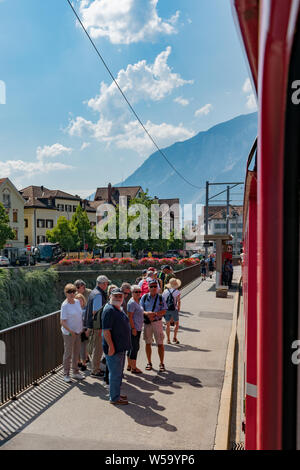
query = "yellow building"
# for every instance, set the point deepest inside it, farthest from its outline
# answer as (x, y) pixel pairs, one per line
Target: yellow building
(14, 205)
(43, 207)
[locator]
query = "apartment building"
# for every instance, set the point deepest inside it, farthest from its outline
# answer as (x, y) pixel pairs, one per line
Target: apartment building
(43, 207)
(14, 205)
(217, 223)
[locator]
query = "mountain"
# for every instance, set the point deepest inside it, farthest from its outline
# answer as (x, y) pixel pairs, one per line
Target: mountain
(216, 155)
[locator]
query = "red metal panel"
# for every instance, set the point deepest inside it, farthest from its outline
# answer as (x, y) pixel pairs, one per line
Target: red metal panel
(251, 320)
(247, 12)
(274, 54)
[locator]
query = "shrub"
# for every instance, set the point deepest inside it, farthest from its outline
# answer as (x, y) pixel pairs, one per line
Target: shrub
(26, 295)
(188, 262)
(87, 261)
(125, 261)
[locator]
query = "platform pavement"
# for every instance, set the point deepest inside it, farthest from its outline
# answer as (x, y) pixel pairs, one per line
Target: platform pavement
(176, 409)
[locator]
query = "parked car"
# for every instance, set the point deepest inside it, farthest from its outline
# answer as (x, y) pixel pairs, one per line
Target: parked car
(172, 254)
(4, 261)
(196, 255)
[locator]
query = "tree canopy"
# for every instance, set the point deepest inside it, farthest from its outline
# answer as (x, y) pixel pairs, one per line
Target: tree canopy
(6, 232)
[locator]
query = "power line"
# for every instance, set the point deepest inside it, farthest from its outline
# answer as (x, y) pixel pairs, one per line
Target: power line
(125, 98)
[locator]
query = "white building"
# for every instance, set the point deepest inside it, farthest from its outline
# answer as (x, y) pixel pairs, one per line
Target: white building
(217, 223)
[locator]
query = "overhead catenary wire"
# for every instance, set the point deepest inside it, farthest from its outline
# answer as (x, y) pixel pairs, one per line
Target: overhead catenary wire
(127, 101)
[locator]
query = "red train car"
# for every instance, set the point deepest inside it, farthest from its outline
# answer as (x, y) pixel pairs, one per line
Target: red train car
(270, 31)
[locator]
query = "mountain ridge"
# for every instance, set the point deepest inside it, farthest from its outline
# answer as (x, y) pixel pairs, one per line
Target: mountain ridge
(218, 154)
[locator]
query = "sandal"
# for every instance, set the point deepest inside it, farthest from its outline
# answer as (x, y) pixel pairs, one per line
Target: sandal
(136, 371)
(149, 366)
(162, 368)
(176, 341)
(169, 342)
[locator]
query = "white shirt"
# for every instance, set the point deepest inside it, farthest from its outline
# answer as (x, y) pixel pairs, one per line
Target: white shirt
(72, 313)
(174, 292)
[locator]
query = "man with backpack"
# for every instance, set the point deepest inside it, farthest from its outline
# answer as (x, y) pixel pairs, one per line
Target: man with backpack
(154, 309)
(165, 275)
(93, 320)
(172, 298)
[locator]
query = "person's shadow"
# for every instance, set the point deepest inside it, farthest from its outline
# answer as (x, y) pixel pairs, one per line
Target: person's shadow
(142, 407)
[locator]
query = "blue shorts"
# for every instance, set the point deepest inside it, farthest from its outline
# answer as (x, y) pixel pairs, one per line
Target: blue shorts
(171, 314)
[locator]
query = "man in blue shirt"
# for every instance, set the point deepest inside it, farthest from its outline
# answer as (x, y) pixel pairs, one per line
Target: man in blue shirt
(154, 309)
(116, 341)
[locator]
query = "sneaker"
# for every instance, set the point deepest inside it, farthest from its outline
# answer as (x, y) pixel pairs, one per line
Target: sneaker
(78, 376)
(97, 374)
(119, 402)
(67, 379)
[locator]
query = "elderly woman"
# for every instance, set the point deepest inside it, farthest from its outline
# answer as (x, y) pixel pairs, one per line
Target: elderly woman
(116, 341)
(172, 297)
(71, 327)
(136, 319)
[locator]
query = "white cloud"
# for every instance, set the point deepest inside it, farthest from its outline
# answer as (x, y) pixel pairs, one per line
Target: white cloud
(164, 134)
(141, 82)
(247, 87)
(204, 110)
(85, 145)
(182, 101)
(51, 151)
(125, 21)
(251, 103)
(23, 168)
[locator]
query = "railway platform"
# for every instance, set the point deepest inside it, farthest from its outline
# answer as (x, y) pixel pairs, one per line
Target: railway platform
(176, 409)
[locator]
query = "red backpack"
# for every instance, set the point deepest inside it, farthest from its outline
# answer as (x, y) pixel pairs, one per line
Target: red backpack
(145, 287)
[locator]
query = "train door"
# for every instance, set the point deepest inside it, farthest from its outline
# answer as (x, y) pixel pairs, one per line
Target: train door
(291, 320)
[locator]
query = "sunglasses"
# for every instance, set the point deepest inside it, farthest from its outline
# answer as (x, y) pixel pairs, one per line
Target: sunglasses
(153, 287)
(71, 291)
(137, 291)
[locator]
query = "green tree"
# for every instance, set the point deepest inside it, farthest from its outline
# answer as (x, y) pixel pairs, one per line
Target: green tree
(64, 234)
(84, 234)
(6, 233)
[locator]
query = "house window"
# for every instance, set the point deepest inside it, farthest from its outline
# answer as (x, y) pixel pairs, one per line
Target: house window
(68, 208)
(60, 207)
(26, 223)
(15, 216)
(40, 223)
(6, 199)
(16, 234)
(26, 240)
(49, 223)
(74, 208)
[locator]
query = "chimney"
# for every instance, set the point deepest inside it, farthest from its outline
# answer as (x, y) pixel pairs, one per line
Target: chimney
(109, 194)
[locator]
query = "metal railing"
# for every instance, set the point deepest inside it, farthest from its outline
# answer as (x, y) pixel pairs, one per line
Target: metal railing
(31, 350)
(188, 275)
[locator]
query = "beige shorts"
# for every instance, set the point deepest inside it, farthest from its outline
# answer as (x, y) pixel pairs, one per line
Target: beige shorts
(154, 329)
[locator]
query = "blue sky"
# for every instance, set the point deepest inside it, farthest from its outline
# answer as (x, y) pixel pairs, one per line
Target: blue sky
(64, 125)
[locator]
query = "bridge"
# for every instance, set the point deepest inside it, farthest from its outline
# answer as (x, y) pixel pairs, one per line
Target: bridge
(186, 407)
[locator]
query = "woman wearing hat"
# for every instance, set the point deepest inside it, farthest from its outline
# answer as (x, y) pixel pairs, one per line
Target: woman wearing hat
(171, 296)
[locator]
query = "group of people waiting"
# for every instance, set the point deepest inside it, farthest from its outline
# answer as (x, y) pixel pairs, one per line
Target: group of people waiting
(110, 320)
